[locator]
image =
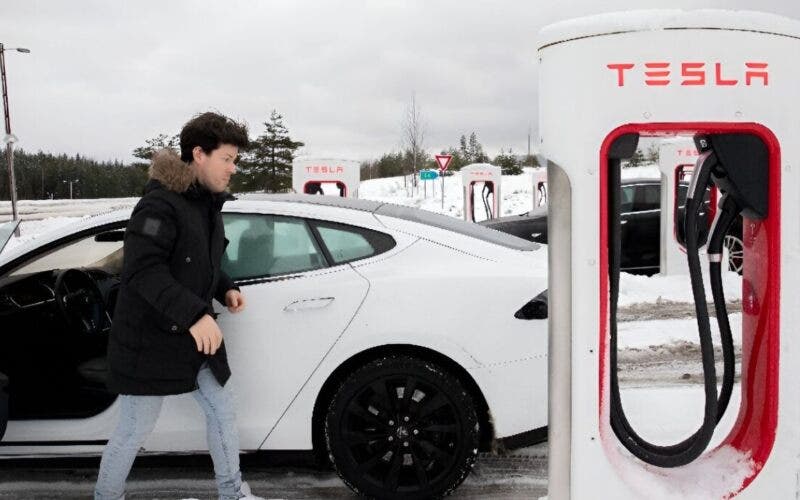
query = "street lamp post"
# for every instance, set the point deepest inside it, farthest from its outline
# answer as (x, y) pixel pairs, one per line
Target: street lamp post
(70, 186)
(9, 138)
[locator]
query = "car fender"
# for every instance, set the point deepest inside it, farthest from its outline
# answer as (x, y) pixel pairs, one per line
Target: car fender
(294, 429)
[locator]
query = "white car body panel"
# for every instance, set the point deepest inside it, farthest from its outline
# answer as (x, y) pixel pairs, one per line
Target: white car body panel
(279, 332)
(437, 284)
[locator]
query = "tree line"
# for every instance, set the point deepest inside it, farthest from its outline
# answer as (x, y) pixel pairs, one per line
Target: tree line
(40, 176)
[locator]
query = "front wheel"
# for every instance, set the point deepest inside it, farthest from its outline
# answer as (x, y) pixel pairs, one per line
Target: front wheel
(402, 427)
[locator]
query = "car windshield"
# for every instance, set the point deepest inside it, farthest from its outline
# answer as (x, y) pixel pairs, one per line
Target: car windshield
(6, 230)
(84, 252)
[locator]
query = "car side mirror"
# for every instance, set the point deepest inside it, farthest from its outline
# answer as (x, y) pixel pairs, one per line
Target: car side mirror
(536, 308)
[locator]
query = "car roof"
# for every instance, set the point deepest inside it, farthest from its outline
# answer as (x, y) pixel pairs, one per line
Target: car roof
(411, 214)
(327, 201)
(403, 212)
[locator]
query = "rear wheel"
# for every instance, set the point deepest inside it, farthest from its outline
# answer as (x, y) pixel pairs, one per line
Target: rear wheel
(402, 427)
(733, 244)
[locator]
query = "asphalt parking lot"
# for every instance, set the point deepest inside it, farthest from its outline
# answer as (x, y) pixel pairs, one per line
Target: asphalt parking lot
(521, 476)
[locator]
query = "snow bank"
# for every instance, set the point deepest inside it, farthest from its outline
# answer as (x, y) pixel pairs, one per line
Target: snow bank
(645, 334)
(634, 288)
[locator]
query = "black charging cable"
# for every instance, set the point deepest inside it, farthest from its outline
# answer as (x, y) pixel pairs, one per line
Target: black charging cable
(728, 213)
(692, 447)
(485, 192)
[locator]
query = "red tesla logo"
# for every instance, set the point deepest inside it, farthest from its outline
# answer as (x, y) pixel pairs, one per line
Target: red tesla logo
(324, 169)
(693, 73)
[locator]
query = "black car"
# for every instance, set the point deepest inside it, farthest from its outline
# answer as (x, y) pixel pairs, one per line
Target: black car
(641, 235)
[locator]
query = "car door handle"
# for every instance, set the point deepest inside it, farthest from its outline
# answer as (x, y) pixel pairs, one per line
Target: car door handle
(306, 304)
(623, 222)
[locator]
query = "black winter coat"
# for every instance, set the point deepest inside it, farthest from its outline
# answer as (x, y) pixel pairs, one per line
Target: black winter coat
(171, 272)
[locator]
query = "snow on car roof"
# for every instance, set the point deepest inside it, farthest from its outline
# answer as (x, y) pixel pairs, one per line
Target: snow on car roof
(328, 201)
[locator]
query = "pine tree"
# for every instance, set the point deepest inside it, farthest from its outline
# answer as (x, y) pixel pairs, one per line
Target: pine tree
(653, 153)
(634, 161)
(464, 150)
(472, 151)
(161, 141)
(268, 163)
(508, 163)
(476, 150)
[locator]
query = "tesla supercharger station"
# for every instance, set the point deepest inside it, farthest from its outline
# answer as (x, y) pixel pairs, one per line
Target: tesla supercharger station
(729, 81)
(539, 187)
(481, 182)
(326, 176)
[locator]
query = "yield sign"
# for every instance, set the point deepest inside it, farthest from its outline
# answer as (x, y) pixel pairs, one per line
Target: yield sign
(443, 161)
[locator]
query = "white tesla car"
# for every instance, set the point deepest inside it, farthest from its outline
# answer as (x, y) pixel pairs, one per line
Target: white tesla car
(395, 341)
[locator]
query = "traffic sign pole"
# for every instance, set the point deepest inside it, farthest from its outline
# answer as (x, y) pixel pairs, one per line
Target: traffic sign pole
(443, 161)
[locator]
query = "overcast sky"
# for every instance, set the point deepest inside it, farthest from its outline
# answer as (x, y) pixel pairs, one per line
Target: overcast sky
(103, 76)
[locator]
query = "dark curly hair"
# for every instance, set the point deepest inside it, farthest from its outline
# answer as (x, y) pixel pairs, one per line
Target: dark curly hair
(209, 130)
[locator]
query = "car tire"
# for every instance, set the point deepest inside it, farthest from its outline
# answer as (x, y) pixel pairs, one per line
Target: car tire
(402, 427)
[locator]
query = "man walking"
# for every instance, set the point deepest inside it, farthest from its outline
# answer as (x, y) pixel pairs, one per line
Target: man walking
(164, 339)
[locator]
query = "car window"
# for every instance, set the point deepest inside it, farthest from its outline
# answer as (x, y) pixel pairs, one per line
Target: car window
(348, 243)
(683, 190)
(626, 204)
(647, 197)
(267, 245)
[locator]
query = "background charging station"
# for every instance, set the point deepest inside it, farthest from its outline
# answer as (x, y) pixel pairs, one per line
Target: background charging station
(669, 74)
(676, 159)
(326, 176)
(481, 182)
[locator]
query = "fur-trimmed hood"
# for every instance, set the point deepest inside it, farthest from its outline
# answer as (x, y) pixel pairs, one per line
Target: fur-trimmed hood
(173, 173)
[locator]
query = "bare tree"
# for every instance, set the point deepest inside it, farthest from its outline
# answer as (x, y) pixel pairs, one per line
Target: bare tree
(413, 137)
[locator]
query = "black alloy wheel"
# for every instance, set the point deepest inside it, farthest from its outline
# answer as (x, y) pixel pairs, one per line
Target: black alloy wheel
(402, 427)
(735, 248)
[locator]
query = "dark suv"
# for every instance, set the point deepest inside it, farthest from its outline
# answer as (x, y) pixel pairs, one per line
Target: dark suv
(641, 236)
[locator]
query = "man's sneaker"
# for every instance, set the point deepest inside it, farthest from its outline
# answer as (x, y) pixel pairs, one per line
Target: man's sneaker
(247, 494)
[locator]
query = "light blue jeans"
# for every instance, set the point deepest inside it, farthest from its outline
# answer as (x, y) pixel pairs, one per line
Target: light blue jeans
(138, 415)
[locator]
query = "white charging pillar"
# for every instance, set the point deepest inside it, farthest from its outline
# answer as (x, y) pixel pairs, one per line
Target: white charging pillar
(326, 176)
(476, 177)
(669, 73)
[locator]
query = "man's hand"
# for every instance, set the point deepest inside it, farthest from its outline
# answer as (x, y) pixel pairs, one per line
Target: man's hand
(234, 300)
(206, 334)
